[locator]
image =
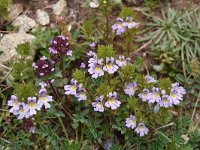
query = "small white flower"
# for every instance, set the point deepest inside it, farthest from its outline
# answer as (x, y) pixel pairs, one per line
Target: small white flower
(112, 102)
(32, 106)
(131, 122)
(98, 105)
(81, 95)
(23, 112)
(150, 79)
(121, 61)
(44, 99)
(144, 95)
(154, 96)
(94, 4)
(110, 67)
(71, 89)
(14, 103)
(142, 129)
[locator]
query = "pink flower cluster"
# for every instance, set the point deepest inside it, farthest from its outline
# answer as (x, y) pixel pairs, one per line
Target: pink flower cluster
(131, 123)
(112, 102)
(120, 26)
(23, 110)
(77, 90)
(97, 68)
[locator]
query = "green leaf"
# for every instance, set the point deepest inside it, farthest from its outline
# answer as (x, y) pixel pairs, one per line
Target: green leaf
(127, 12)
(79, 76)
(180, 77)
(24, 49)
(165, 84)
(105, 51)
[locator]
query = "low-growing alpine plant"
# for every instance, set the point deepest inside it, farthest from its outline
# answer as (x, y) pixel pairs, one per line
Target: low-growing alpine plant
(93, 95)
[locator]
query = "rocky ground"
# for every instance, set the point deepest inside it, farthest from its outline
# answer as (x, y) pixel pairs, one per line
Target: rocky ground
(26, 15)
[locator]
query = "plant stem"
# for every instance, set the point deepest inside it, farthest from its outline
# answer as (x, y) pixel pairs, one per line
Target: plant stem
(193, 113)
(82, 129)
(58, 97)
(77, 135)
(55, 91)
(63, 127)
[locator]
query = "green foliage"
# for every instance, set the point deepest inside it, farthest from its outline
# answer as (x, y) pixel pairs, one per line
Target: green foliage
(104, 89)
(23, 70)
(43, 38)
(165, 83)
(4, 8)
(105, 51)
(88, 28)
(128, 72)
(127, 12)
(24, 49)
(175, 36)
(23, 91)
(152, 4)
(79, 76)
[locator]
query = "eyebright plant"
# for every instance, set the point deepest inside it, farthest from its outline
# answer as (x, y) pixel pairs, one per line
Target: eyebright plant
(106, 100)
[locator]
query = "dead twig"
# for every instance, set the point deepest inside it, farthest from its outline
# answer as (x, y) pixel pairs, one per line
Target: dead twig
(6, 75)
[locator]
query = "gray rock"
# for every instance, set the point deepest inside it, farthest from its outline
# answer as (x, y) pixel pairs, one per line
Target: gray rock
(42, 17)
(15, 11)
(59, 7)
(24, 23)
(8, 44)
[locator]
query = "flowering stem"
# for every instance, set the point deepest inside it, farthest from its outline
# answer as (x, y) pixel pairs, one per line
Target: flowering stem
(55, 91)
(62, 67)
(58, 97)
(63, 127)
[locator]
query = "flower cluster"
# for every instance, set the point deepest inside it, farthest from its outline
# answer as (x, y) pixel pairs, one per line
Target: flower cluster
(43, 67)
(121, 25)
(60, 46)
(97, 67)
(161, 97)
(112, 102)
(23, 110)
(77, 90)
(131, 123)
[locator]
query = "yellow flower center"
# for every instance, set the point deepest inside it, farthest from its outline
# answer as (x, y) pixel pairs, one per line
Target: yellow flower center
(99, 104)
(21, 110)
(144, 95)
(109, 66)
(15, 103)
(73, 88)
(165, 100)
(43, 98)
(132, 121)
(155, 95)
(112, 101)
(32, 105)
(119, 25)
(142, 128)
(133, 88)
(173, 95)
(98, 69)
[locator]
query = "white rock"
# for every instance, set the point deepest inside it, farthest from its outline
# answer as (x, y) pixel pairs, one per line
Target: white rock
(59, 7)
(8, 44)
(24, 23)
(15, 11)
(42, 17)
